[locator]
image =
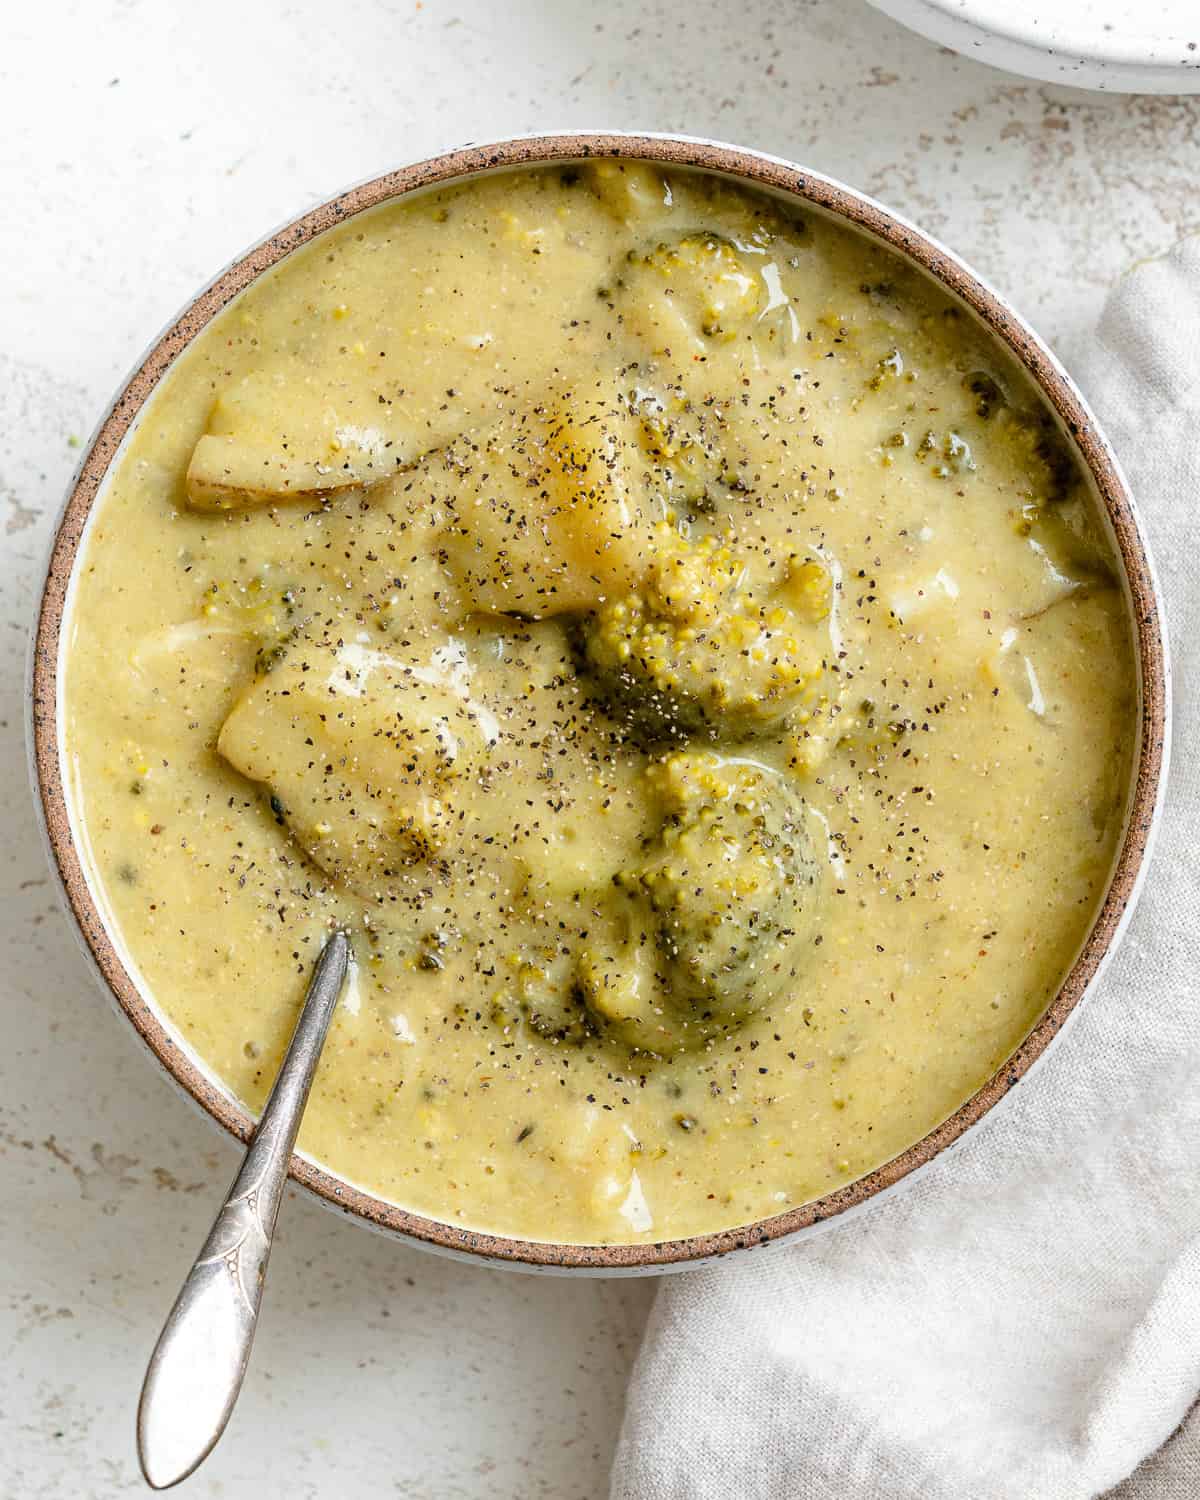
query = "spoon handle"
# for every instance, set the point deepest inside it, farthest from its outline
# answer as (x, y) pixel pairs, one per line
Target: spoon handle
(199, 1362)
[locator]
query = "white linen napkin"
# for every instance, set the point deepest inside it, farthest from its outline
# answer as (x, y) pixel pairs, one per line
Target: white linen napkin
(1024, 1322)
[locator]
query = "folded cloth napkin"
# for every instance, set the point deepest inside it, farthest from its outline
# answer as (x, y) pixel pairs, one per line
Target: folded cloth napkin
(1023, 1322)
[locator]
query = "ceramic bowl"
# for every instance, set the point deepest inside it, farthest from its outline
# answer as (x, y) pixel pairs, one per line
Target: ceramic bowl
(814, 192)
(1115, 46)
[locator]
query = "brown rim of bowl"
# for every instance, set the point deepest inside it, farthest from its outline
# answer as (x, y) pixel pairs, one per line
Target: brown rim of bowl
(760, 171)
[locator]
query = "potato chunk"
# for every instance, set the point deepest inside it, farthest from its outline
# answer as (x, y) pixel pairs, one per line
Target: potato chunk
(228, 473)
(266, 443)
(628, 189)
(359, 748)
(550, 515)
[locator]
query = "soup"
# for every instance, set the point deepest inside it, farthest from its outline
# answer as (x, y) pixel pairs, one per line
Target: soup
(668, 634)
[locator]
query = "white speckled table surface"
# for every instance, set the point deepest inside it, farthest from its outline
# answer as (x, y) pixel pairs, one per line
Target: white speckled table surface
(142, 144)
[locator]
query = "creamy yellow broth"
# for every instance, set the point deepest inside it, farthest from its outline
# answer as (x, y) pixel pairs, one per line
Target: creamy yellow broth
(670, 637)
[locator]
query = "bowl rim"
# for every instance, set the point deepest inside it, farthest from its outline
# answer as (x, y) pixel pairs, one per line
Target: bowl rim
(844, 204)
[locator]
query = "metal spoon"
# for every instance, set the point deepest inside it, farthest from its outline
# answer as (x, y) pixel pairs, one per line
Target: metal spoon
(199, 1362)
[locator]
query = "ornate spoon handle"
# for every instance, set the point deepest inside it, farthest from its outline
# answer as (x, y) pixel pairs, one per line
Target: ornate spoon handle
(199, 1362)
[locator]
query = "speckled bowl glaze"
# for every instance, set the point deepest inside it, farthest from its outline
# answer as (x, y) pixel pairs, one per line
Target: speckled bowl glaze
(1115, 46)
(815, 192)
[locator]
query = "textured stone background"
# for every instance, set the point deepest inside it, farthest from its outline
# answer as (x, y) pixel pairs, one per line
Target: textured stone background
(141, 146)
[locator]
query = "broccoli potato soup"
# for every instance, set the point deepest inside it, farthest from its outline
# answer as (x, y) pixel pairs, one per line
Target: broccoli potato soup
(667, 633)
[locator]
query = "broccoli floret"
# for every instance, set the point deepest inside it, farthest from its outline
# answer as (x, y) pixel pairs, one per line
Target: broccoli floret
(721, 291)
(682, 295)
(1036, 431)
(724, 906)
(951, 455)
(988, 392)
(695, 651)
(1032, 430)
